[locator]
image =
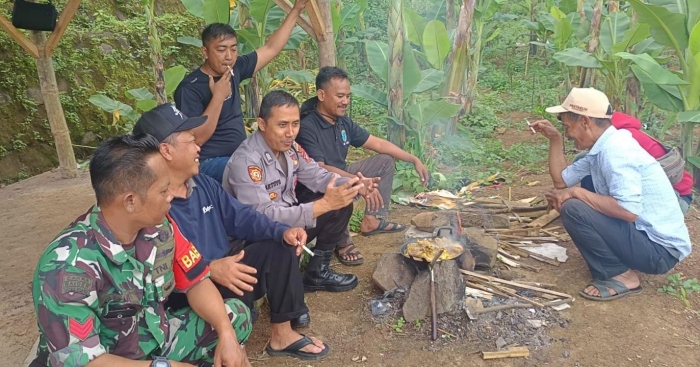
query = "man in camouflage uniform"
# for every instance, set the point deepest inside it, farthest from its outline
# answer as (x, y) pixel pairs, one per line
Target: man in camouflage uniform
(100, 287)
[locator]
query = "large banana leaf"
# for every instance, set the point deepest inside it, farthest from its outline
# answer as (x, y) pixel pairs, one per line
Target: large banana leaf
(347, 17)
(370, 93)
(259, 9)
(216, 11)
(195, 7)
(575, 56)
(694, 41)
(411, 71)
(139, 94)
(649, 66)
(429, 79)
(428, 113)
(378, 57)
(668, 29)
(414, 25)
(612, 30)
(662, 96)
(638, 33)
(436, 43)
(689, 116)
(173, 76)
(486, 9)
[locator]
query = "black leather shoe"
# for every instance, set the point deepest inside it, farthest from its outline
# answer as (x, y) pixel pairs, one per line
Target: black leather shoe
(301, 322)
(320, 277)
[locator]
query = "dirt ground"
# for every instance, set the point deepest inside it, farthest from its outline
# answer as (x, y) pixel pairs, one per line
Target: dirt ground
(649, 329)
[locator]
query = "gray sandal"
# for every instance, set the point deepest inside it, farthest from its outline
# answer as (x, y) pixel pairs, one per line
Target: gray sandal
(602, 287)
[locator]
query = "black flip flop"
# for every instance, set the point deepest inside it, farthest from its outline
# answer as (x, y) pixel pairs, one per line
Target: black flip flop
(294, 350)
(382, 228)
(351, 250)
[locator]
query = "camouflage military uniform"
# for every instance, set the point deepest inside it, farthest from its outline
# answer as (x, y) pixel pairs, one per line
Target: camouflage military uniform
(92, 296)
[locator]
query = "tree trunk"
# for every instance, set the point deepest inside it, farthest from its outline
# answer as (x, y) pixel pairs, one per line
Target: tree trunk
(613, 6)
(302, 66)
(252, 96)
(473, 71)
(533, 35)
(156, 56)
(588, 75)
(450, 15)
(581, 10)
(396, 133)
(632, 100)
(458, 60)
(54, 111)
(326, 49)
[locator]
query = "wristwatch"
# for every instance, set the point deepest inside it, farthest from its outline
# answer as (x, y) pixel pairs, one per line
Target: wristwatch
(160, 362)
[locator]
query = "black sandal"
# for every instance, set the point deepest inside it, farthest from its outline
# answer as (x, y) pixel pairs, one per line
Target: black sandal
(351, 250)
(382, 228)
(294, 350)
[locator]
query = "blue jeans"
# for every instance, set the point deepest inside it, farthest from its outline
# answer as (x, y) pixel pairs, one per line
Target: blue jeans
(214, 167)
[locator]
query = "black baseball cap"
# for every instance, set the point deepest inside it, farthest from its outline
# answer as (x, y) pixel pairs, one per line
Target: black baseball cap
(164, 120)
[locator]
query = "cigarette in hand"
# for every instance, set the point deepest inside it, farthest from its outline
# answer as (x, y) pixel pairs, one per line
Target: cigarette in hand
(530, 126)
(306, 249)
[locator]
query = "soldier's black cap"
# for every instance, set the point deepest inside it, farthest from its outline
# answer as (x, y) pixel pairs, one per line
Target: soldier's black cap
(164, 120)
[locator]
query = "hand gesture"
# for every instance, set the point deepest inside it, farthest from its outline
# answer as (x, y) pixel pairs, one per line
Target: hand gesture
(422, 172)
(221, 88)
(295, 237)
(300, 4)
(229, 353)
(374, 200)
(370, 183)
(555, 197)
(343, 195)
(233, 275)
(546, 128)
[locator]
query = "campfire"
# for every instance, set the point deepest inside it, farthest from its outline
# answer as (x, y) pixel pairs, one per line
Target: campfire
(449, 257)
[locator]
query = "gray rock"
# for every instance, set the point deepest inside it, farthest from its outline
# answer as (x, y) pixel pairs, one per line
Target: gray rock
(484, 248)
(106, 48)
(449, 291)
(500, 342)
(466, 261)
(566, 354)
(5, 98)
(88, 138)
(393, 270)
(34, 93)
(484, 220)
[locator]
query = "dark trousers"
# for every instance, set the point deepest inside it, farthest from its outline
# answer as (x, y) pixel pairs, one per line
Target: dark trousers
(278, 277)
(330, 227)
(611, 246)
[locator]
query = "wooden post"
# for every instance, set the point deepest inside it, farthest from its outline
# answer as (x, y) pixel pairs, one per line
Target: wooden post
(20, 38)
(326, 45)
(67, 15)
(54, 111)
(302, 21)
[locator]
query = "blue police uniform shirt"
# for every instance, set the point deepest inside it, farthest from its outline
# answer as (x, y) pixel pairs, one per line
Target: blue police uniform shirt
(210, 215)
(193, 95)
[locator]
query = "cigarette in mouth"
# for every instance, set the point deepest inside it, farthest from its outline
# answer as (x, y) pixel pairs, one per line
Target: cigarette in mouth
(306, 249)
(230, 69)
(531, 129)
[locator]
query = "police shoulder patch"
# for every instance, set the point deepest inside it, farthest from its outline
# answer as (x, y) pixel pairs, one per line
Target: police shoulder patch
(273, 195)
(255, 173)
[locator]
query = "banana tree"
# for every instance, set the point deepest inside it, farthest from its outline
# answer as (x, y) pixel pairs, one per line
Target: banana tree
(617, 34)
(347, 29)
(417, 117)
(676, 25)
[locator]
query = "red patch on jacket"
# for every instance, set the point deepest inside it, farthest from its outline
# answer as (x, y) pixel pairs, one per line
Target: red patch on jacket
(80, 330)
(255, 173)
(189, 268)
